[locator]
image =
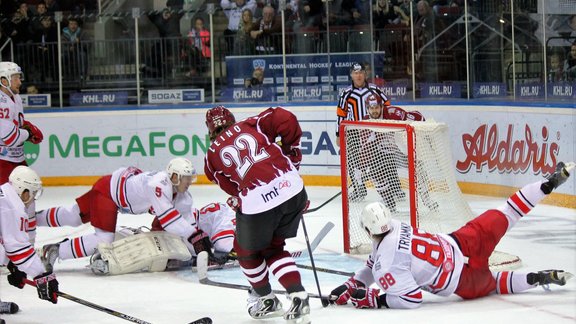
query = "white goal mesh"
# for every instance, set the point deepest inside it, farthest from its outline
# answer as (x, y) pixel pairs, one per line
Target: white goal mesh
(408, 166)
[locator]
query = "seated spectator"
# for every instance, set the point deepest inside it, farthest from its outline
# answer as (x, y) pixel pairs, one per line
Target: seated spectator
(267, 32)
(570, 64)
(233, 10)
(74, 51)
(198, 48)
(556, 70)
(256, 80)
(244, 44)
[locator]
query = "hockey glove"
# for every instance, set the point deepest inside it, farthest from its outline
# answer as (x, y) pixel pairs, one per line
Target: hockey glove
(16, 277)
(47, 286)
(201, 242)
(295, 156)
(36, 135)
(365, 298)
(235, 203)
(341, 294)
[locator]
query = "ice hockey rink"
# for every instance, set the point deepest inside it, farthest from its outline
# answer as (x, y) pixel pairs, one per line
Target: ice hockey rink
(545, 239)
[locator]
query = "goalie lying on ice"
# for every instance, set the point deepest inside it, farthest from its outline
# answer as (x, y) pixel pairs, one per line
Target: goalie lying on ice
(158, 250)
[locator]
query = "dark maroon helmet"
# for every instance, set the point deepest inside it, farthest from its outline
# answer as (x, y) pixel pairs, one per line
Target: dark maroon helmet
(218, 119)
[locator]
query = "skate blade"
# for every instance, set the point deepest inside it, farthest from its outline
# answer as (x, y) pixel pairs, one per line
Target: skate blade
(300, 320)
(565, 275)
(569, 167)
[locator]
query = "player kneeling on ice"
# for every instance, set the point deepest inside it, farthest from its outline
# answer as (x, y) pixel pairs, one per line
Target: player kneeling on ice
(159, 251)
(406, 260)
(127, 190)
(16, 251)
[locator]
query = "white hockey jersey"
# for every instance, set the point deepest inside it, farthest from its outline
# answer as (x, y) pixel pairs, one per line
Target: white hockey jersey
(219, 222)
(12, 136)
(408, 260)
(137, 192)
(15, 243)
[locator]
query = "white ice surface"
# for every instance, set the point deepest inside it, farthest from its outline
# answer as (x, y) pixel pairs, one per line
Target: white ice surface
(545, 239)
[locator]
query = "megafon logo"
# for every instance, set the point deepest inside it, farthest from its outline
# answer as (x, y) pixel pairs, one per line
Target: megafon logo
(31, 152)
(485, 147)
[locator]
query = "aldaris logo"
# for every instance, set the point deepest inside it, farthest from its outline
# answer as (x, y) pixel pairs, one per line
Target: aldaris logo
(31, 152)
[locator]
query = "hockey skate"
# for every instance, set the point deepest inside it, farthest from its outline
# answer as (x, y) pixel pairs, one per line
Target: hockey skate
(546, 277)
(558, 177)
(263, 306)
(50, 253)
(299, 310)
(8, 308)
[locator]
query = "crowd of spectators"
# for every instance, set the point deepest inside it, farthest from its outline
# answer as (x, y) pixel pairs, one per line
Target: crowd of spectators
(254, 27)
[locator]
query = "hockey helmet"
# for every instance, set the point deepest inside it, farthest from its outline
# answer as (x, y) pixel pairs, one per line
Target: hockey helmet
(357, 67)
(376, 219)
(218, 118)
(7, 70)
(182, 167)
(24, 178)
(372, 101)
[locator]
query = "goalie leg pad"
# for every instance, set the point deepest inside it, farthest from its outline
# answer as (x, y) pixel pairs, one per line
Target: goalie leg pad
(142, 252)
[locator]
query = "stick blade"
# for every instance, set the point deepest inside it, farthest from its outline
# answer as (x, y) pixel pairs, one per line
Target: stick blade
(202, 265)
(203, 320)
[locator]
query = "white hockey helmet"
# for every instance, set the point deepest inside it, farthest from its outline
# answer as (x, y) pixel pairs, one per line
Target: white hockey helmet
(376, 219)
(182, 167)
(7, 70)
(24, 178)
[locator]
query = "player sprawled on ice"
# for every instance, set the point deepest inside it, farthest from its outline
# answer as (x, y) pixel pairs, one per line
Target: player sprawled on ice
(128, 190)
(269, 196)
(16, 251)
(405, 260)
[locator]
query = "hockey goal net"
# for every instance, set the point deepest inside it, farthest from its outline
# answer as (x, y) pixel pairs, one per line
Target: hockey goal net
(408, 166)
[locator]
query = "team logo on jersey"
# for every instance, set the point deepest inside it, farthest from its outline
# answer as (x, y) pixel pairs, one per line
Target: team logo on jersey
(31, 152)
(284, 184)
(259, 64)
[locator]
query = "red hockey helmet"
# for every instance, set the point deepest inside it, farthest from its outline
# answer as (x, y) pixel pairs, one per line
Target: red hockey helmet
(218, 119)
(373, 100)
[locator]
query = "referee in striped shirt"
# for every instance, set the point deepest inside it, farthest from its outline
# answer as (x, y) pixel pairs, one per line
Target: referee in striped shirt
(351, 106)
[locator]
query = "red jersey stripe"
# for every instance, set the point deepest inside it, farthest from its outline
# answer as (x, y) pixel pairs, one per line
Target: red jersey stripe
(503, 283)
(20, 256)
(523, 207)
(169, 217)
(77, 247)
(52, 221)
(221, 234)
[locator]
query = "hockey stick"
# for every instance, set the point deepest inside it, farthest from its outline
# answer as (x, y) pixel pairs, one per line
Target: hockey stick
(332, 271)
(324, 303)
(203, 278)
(311, 210)
(296, 254)
(203, 320)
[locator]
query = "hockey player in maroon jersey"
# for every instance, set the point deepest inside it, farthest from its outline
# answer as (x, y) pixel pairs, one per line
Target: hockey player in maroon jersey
(269, 197)
(16, 251)
(405, 260)
(127, 190)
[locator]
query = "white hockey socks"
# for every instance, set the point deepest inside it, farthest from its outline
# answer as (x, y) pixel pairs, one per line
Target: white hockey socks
(522, 202)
